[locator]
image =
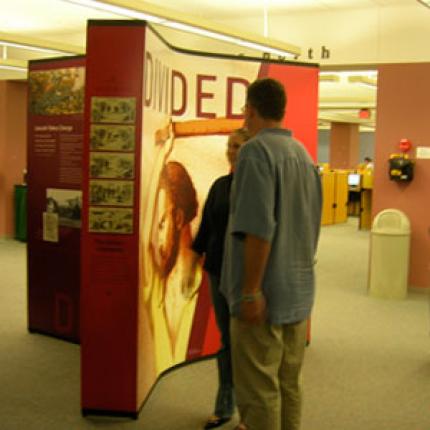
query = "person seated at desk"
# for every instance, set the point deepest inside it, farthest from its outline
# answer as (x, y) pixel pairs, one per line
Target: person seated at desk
(368, 163)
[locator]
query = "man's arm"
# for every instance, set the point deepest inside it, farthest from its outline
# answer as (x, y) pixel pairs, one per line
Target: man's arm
(256, 254)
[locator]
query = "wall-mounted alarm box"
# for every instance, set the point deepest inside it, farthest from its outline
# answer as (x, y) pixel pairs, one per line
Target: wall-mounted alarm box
(401, 168)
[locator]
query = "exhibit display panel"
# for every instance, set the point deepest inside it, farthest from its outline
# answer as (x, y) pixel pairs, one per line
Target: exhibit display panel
(328, 181)
(341, 197)
(335, 196)
(157, 123)
(55, 141)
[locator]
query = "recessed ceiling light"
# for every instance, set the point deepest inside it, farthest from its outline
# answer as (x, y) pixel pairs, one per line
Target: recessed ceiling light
(425, 3)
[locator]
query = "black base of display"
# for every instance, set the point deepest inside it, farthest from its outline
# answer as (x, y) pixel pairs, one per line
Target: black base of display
(56, 336)
(102, 412)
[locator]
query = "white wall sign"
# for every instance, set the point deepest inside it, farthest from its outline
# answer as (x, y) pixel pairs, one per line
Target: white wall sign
(423, 152)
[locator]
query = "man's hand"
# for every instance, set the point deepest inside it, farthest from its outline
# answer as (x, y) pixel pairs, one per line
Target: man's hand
(162, 135)
(253, 312)
(187, 285)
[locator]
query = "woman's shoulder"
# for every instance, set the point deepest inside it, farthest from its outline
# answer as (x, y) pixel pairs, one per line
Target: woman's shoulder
(222, 181)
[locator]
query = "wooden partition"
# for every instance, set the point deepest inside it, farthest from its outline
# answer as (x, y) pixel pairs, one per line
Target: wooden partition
(335, 197)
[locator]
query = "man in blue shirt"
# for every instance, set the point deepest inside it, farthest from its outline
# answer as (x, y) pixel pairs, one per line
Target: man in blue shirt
(268, 268)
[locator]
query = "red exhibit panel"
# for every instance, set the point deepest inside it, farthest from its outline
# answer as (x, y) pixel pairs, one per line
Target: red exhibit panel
(55, 141)
(110, 232)
(301, 115)
(156, 123)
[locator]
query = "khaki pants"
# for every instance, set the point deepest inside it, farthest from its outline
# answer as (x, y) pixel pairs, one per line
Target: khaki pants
(267, 360)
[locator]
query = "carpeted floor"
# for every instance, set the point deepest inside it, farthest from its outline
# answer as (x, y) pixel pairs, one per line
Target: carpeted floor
(367, 368)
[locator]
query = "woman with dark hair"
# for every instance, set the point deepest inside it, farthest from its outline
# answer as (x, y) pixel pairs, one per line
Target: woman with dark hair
(210, 243)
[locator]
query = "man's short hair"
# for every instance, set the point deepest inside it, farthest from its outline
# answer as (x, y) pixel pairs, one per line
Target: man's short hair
(268, 97)
(175, 179)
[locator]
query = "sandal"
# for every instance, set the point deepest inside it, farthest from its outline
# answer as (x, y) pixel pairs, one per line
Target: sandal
(215, 421)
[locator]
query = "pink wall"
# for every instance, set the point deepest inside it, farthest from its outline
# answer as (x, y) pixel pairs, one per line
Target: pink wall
(344, 146)
(404, 112)
(13, 135)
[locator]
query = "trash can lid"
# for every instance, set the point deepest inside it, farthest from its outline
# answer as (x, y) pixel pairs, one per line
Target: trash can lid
(391, 221)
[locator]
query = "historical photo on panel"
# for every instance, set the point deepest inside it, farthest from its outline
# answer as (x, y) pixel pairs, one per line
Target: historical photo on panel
(111, 193)
(67, 204)
(120, 110)
(50, 227)
(110, 220)
(112, 137)
(57, 92)
(115, 166)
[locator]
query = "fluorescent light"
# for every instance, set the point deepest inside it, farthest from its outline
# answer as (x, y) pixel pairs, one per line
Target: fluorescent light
(117, 10)
(225, 38)
(347, 73)
(329, 77)
(363, 80)
(200, 31)
(30, 47)
(39, 45)
(183, 22)
(15, 65)
(14, 68)
(368, 84)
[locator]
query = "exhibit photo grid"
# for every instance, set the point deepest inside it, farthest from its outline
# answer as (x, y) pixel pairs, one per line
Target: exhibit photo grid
(112, 165)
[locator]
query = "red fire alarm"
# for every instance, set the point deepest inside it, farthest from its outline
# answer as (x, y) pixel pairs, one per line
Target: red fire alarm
(405, 145)
(364, 113)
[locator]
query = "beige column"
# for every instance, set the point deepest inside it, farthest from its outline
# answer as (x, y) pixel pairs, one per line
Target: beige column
(344, 145)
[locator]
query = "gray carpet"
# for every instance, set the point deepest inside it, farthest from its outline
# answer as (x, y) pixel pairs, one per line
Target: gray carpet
(368, 365)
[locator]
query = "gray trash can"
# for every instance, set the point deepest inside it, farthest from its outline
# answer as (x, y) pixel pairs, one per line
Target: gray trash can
(389, 255)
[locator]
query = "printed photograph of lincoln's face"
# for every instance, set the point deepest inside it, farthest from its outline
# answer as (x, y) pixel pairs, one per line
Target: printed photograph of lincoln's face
(175, 207)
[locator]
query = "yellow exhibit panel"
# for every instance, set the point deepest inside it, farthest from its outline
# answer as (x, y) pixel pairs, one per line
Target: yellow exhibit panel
(341, 197)
(366, 210)
(366, 200)
(367, 179)
(328, 184)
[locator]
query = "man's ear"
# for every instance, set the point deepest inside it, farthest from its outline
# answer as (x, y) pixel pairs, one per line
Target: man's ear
(252, 112)
(179, 218)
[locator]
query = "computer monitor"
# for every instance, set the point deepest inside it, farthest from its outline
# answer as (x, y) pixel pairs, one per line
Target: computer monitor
(354, 180)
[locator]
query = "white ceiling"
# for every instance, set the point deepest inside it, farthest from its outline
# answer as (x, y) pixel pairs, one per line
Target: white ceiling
(60, 21)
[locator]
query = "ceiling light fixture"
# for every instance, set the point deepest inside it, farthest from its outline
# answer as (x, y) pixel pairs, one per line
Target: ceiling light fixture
(176, 20)
(29, 47)
(329, 77)
(363, 80)
(14, 65)
(118, 10)
(38, 45)
(347, 73)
